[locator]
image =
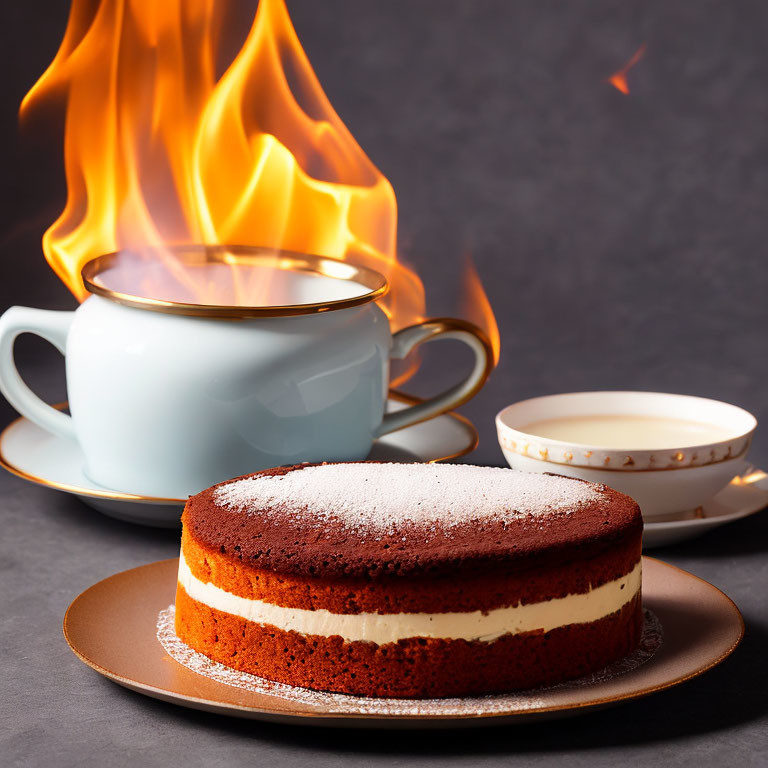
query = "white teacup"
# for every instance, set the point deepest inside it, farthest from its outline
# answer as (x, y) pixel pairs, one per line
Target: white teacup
(169, 397)
(664, 480)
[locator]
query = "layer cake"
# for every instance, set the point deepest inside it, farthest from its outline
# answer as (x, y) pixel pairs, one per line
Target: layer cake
(410, 580)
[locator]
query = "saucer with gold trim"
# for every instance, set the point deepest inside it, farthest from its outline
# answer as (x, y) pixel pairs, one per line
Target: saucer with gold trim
(40, 457)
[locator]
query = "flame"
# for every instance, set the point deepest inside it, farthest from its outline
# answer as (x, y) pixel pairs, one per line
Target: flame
(619, 79)
(477, 308)
(158, 150)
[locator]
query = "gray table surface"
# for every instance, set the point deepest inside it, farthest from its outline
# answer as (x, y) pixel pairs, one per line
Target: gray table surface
(55, 711)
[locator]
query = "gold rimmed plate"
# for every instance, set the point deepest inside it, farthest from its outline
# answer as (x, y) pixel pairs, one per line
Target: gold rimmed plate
(112, 627)
(38, 456)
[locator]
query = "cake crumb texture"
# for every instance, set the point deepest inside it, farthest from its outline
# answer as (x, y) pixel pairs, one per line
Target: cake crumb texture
(443, 593)
(411, 668)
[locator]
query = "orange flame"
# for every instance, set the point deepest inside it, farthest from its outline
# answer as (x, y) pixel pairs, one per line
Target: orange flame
(159, 151)
(619, 79)
(477, 308)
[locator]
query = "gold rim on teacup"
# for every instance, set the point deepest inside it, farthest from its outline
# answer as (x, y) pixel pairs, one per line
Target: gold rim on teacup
(570, 454)
(201, 255)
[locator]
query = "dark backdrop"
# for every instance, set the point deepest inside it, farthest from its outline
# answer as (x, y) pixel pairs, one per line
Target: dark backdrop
(620, 238)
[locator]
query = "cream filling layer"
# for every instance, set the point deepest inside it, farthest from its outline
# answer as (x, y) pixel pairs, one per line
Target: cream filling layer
(381, 628)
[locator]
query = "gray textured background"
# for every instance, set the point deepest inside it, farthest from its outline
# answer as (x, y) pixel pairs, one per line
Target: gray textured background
(622, 243)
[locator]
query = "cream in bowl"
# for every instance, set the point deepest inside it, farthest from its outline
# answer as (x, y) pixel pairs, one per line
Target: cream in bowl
(671, 453)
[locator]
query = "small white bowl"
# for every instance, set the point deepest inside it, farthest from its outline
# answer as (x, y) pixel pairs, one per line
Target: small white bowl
(662, 481)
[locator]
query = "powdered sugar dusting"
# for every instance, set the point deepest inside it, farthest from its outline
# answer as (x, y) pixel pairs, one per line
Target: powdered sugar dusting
(343, 704)
(370, 496)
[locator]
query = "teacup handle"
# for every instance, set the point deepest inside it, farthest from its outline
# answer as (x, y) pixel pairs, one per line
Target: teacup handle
(407, 339)
(53, 327)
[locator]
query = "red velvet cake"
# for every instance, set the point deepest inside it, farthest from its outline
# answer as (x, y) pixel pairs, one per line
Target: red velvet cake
(410, 580)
